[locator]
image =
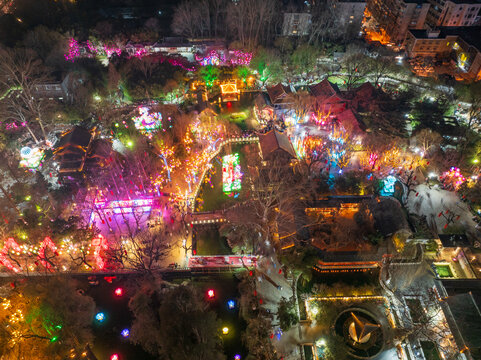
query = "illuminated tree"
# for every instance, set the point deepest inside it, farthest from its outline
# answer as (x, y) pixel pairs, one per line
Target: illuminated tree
(243, 73)
(428, 139)
(192, 334)
(304, 59)
(268, 66)
(209, 74)
(47, 317)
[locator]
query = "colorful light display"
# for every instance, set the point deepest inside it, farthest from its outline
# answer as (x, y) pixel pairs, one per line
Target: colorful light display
(31, 158)
(238, 57)
(110, 50)
(212, 58)
(231, 173)
(99, 243)
(388, 186)
(47, 243)
(125, 333)
(453, 178)
(73, 50)
(125, 206)
(146, 122)
(10, 244)
(210, 293)
(231, 304)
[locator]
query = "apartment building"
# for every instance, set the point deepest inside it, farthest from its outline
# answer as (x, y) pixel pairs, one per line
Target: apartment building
(350, 13)
(454, 13)
(461, 45)
(296, 24)
(395, 17)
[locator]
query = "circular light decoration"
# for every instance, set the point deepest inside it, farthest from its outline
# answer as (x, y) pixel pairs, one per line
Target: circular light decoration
(231, 304)
(100, 317)
(210, 293)
(114, 357)
(147, 123)
(125, 333)
(119, 292)
(31, 158)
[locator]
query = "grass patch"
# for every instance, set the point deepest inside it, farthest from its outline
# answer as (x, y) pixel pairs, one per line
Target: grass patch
(444, 270)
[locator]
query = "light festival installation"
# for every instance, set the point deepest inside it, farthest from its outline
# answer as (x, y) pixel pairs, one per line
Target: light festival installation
(125, 206)
(213, 58)
(47, 243)
(10, 244)
(238, 57)
(31, 158)
(146, 122)
(453, 178)
(388, 186)
(231, 173)
(99, 243)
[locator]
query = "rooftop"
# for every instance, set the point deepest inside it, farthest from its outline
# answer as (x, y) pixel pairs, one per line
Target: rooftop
(468, 34)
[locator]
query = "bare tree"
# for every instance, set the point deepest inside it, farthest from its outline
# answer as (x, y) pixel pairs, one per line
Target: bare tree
(143, 252)
(354, 67)
(251, 21)
(21, 71)
(428, 139)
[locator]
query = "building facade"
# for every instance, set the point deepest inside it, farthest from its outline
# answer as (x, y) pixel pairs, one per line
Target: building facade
(296, 24)
(395, 17)
(460, 46)
(350, 13)
(454, 13)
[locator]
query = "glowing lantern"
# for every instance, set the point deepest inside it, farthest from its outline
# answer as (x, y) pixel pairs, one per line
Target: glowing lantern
(210, 293)
(237, 357)
(231, 304)
(100, 317)
(119, 291)
(225, 330)
(125, 333)
(114, 357)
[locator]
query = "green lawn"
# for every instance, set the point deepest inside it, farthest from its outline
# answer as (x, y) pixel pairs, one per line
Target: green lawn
(444, 270)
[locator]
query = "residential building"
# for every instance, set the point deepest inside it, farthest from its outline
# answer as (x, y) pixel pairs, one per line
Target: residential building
(350, 13)
(395, 17)
(454, 13)
(460, 46)
(461, 304)
(63, 90)
(296, 24)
